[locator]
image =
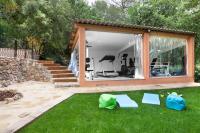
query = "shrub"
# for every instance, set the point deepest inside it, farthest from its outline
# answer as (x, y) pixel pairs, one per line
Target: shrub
(197, 74)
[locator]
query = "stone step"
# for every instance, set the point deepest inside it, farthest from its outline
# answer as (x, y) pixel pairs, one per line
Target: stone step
(64, 80)
(57, 67)
(60, 71)
(51, 64)
(63, 75)
(46, 61)
(66, 84)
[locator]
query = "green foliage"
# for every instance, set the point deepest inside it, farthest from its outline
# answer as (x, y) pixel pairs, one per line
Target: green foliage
(3, 28)
(80, 9)
(154, 13)
(105, 12)
(11, 14)
(50, 21)
(46, 21)
(197, 74)
(59, 24)
(179, 14)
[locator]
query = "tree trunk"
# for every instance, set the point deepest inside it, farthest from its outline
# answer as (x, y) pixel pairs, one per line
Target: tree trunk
(32, 55)
(25, 44)
(15, 48)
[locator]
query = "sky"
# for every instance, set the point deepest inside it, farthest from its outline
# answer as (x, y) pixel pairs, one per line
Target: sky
(92, 1)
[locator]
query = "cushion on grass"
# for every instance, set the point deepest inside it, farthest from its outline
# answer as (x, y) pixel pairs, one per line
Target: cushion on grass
(107, 101)
(175, 102)
(151, 99)
(125, 101)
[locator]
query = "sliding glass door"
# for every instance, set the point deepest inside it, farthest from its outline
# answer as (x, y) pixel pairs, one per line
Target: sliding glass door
(113, 56)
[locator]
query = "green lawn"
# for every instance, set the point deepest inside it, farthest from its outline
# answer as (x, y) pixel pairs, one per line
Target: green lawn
(80, 114)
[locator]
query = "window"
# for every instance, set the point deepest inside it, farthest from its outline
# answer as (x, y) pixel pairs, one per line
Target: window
(167, 56)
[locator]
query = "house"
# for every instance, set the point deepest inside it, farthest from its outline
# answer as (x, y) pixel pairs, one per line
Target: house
(106, 54)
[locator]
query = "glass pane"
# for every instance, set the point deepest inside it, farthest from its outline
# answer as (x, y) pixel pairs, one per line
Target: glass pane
(167, 56)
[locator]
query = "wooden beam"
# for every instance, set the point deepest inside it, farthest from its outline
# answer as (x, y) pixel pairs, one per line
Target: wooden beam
(171, 35)
(111, 29)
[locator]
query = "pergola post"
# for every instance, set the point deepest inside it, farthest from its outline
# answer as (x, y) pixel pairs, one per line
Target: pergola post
(190, 57)
(146, 68)
(81, 55)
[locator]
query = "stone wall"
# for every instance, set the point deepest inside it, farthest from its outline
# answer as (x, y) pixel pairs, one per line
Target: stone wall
(14, 70)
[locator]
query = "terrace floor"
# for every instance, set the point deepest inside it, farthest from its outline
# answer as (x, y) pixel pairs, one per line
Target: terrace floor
(38, 97)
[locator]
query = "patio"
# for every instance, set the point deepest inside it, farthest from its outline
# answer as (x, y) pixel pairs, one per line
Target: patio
(37, 98)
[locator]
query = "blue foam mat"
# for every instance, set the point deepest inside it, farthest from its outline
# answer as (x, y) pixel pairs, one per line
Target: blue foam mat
(125, 101)
(151, 99)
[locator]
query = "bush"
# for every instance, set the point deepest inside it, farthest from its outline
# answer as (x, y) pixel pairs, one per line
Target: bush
(197, 74)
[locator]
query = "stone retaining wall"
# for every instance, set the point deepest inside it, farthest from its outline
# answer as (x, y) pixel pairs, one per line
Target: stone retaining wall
(14, 70)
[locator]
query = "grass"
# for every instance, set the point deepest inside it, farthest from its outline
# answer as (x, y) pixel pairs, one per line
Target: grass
(80, 114)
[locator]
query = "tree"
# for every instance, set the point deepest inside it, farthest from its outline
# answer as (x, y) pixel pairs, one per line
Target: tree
(12, 18)
(80, 9)
(54, 22)
(123, 4)
(179, 14)
(159, 13)
(45, 25)
(107, 12)
(100, 8)
(190, 21)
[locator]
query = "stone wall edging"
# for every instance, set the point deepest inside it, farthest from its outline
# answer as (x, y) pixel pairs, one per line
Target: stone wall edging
(13, 70)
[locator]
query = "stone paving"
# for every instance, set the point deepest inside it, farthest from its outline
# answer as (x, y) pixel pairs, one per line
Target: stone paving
(130, 88)
(38, 97)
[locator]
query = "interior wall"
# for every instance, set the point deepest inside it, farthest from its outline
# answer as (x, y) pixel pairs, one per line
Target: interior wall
(106, 65)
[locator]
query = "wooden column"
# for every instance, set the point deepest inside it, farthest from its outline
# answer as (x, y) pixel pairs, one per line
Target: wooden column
(190, 57)
(146, 55)
(81, 55)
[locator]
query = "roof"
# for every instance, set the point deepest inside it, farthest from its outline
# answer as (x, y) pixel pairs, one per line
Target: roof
(138, 27)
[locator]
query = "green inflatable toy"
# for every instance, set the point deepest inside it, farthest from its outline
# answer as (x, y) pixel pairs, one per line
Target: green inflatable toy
(107, 101)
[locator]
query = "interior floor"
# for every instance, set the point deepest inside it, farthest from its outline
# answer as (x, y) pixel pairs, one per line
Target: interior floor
(113, 78)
